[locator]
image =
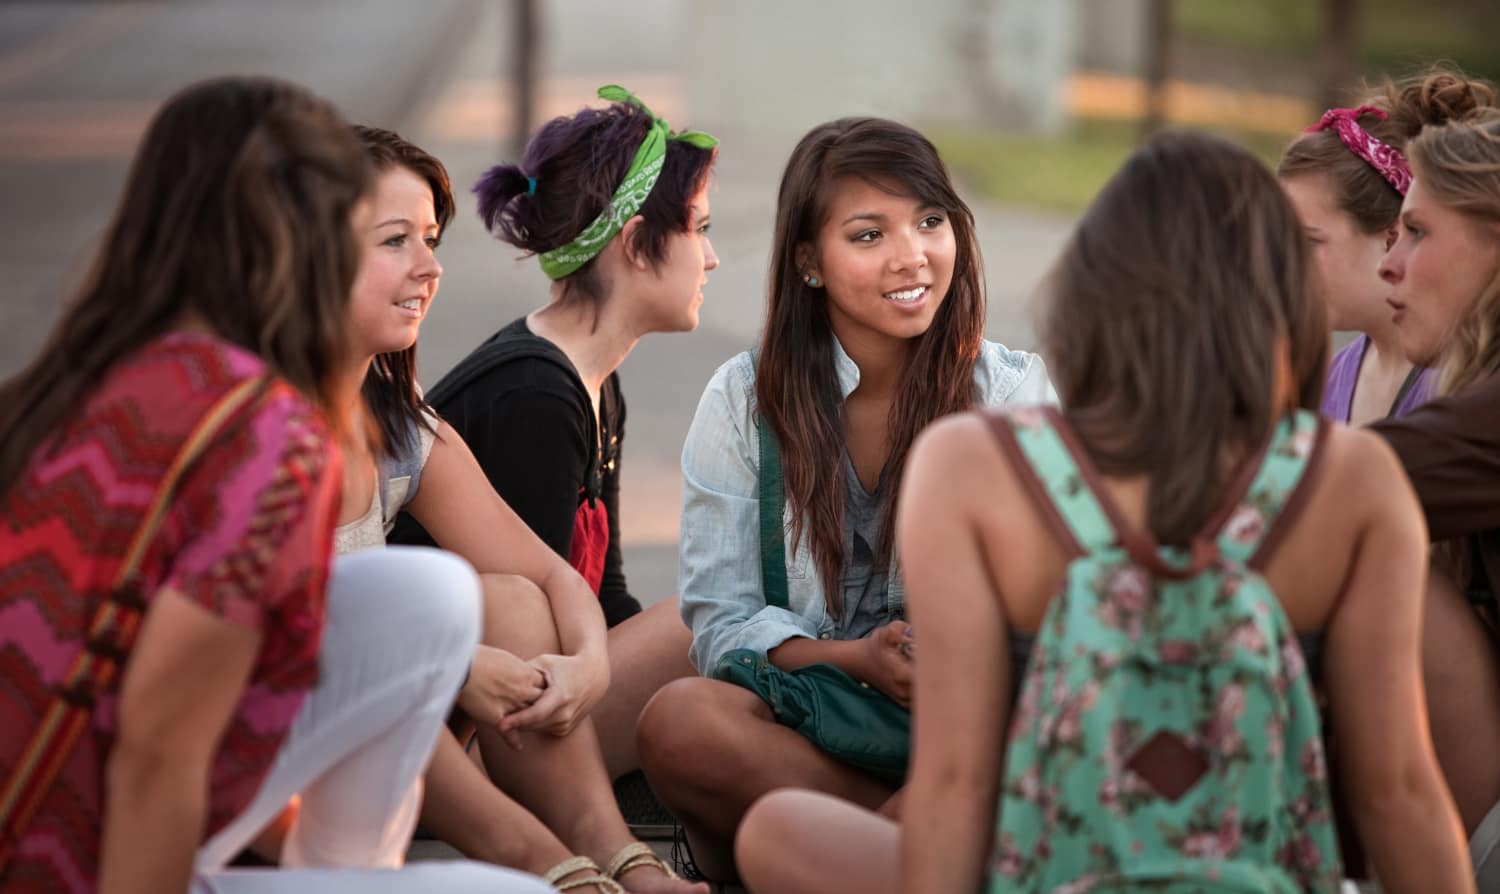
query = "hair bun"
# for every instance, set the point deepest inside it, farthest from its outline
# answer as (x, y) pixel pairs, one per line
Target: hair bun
(1437, 96)
(496, 190)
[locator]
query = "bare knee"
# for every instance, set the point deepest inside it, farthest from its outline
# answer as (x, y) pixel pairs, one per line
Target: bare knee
(684, 723)
(766, 836)
(517, 616)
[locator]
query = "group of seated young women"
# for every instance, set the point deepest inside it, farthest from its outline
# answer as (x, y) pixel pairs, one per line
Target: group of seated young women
(1175, 631)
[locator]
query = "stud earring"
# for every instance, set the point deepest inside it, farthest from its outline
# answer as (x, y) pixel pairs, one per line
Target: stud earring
(812, 280)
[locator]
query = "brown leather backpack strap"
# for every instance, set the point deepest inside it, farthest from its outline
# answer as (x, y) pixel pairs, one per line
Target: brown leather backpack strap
(1005, 437)
(1296, 501)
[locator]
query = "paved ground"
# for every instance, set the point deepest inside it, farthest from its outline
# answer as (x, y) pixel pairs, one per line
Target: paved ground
(78, 83)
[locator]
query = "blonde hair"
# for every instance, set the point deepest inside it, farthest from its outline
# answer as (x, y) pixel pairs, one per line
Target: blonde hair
(1459, 166)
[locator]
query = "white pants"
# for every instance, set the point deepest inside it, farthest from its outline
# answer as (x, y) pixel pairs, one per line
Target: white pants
(401, 630)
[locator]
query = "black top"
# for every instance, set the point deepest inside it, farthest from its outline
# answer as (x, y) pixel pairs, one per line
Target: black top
(520, 405)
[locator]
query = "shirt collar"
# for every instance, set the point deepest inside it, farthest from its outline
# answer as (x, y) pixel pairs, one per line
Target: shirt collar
(845, 368)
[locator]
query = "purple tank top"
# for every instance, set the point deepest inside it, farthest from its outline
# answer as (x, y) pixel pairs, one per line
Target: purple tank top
(1343, 372)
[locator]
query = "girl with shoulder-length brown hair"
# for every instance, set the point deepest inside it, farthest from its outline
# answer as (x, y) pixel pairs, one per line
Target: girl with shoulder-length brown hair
(265, 680)
(874, 328)
(1188, 350)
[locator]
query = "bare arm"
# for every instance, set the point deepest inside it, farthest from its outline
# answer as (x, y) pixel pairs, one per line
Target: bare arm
(462, 512)
(846, 655)
(962, 680)
(882, 659)
(181, 684)
(1404, 813)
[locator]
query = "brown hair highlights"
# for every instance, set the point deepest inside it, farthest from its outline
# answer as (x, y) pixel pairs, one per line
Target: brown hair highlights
(236, 212)
(796, 385)
(390, 386)
(1167, 315)
(1435, 96)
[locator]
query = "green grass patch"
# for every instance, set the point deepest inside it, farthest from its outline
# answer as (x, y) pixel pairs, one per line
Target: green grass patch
(1278, 27)
(1395, 36)
(1054, 173)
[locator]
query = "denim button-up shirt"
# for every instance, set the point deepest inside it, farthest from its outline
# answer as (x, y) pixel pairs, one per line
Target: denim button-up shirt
(719, 578)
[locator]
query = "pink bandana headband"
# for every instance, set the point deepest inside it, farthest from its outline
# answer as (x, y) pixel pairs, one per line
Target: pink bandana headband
(1386, 161)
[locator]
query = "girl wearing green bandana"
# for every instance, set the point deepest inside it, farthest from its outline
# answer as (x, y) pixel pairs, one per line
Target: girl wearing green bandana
(614, 205)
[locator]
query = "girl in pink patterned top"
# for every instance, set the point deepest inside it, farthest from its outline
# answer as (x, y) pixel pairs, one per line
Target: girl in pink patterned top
(230, 259)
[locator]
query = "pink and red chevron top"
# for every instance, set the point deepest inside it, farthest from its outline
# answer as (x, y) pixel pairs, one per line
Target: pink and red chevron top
(248, 537)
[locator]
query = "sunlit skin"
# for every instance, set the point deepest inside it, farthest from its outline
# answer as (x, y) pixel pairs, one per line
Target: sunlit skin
(672, 302)
(1441, 262)
(399, 273)
(874, 248)
(885, 260)
(398, 278)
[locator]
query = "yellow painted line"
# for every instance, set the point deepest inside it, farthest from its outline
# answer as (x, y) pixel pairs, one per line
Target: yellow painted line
(66, 45)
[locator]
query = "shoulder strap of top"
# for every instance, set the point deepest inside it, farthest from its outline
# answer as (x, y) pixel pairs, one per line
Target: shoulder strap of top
(1254, 523)
(500, 348)
(504, 347)
(1032, 441)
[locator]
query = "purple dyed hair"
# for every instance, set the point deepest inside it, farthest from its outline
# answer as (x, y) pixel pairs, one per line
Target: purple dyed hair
(578, 163)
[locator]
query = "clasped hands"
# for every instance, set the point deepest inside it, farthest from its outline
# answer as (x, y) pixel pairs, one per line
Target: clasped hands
(548, 694)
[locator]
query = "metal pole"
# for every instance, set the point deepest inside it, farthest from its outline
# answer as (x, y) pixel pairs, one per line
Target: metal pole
(524, 74)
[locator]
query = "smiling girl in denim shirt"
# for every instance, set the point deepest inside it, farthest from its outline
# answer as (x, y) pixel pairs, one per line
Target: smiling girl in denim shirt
(874, 329)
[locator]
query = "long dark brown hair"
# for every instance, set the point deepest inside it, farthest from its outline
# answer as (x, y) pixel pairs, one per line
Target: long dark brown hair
(796, 385)
(390, 386)
(1183, 289)
(236, 212)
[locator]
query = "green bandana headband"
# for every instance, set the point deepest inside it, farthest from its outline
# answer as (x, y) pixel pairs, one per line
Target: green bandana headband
(631, 195)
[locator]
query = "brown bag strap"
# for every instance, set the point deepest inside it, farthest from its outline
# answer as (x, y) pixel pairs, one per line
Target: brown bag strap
(1005, 438)
(110, 637)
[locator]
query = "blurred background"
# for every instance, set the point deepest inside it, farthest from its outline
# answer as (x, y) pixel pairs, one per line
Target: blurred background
(1032, 102)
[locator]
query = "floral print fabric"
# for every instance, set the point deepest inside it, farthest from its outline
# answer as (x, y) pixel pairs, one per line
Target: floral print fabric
(1166, 737)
